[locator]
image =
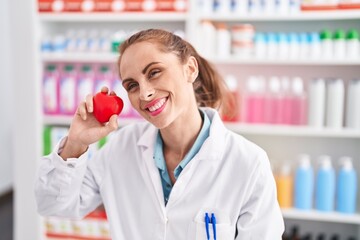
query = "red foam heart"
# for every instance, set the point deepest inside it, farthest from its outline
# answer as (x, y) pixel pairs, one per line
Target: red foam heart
(106, 105)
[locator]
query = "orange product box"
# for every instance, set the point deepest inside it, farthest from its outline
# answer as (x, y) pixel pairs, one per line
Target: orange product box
(103, 5)
(171, 5)
(51, 5)
(349, 4)
(134, 5)
(45, 5)
(73, 5)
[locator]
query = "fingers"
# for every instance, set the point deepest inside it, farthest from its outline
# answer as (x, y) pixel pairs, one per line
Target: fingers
(82, 111)
(89, 103)
(104, 89)
(113, 123)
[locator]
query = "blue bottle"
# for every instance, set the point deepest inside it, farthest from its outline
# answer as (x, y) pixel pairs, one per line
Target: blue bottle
(304, 184)
(346, 187)
(325, 185)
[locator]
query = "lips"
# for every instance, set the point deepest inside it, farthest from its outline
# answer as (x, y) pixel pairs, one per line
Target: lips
(156, 106)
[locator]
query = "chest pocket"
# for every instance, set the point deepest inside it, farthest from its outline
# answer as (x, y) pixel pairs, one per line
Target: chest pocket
(224, 229)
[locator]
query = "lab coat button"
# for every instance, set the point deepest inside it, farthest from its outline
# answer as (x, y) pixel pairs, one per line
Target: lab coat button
(166, 220)
(70, 165)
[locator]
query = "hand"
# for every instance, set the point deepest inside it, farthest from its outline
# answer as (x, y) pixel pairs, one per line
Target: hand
(85, 129)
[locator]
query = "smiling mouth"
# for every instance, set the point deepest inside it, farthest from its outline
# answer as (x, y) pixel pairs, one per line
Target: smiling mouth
(157, 106)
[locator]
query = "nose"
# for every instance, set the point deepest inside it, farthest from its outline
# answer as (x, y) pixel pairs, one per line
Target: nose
(146, 91)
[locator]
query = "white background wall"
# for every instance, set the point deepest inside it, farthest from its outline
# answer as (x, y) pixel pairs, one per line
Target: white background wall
(6, 102)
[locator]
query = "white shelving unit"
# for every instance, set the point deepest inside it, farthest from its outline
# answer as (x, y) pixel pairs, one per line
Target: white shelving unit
(282, 143)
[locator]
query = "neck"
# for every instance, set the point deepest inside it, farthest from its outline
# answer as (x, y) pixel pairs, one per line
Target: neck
(179, 137)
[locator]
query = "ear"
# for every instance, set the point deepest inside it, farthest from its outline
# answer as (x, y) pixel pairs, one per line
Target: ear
(192, 69)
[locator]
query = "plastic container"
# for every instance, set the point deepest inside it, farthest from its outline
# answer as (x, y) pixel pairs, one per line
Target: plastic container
(254, 100)
(260, 45)
(304, 184)
(325, 185)
(274, 102)
(339, 44)
(335, 103)
(284, 186)
(315, 45)
(352, 119)
(67, 94)
(50, 89)
(346, 187)
(103, 78)
(208, 43)
(232, 84)
(299, 102)
(85, 83)
(316, 103)
(353, 44)
(326, 44)
(223, 41)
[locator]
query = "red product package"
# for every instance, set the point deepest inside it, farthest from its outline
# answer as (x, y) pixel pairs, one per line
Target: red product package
(73, 5)
(171, 5)
(51, 5)
(134, 5)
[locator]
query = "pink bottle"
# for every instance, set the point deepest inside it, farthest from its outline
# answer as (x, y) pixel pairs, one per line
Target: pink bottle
(85, 83)
(286, 102)
(51, 89)
(254, 100)
(67, 94)
(273, 102)
(299, 102)
(104, 78)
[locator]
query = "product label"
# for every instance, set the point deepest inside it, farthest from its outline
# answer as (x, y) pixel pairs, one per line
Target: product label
(50, 95)
(67, 95)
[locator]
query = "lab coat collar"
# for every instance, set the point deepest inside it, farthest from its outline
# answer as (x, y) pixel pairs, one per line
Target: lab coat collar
(214, 142)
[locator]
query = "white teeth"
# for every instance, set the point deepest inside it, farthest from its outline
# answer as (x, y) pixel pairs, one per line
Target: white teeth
(157, 105)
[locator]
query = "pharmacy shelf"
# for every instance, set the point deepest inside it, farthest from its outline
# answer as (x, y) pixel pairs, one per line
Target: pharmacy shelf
(253, 129)
(313, 215)
(301, 16)
(114, 17)
(112, 57)
(297, 131)
(298, 62)
(79, 57)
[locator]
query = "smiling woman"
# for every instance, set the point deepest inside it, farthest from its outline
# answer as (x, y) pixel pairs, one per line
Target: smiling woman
(191, 178)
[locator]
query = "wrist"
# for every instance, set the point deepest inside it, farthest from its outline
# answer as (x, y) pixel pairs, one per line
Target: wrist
(72, 149)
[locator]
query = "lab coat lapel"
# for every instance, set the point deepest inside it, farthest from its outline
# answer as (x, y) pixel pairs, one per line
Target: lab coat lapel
(149, 170)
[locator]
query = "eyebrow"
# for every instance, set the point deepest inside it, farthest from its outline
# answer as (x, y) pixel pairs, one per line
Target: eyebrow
(143, 72)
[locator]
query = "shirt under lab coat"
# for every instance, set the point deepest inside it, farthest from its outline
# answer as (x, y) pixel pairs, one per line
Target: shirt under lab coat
(229, 176)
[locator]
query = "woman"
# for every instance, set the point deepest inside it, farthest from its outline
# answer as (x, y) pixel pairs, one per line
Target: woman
(182, 175)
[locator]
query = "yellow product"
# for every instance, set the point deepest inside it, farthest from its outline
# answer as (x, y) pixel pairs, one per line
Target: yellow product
(284, 185)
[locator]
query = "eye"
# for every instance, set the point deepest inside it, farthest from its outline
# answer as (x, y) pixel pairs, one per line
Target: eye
(131, 86)
(153, 73)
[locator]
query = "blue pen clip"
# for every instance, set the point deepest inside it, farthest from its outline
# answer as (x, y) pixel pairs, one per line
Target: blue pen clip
(207, 221)
(213, 222)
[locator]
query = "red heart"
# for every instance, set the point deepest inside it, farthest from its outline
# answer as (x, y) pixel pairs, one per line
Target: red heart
(106, 105)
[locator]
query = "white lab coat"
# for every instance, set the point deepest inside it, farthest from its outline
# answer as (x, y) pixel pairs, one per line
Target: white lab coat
(229, 176)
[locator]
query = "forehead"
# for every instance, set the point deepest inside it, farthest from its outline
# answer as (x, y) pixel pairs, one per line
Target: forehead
(138, 55)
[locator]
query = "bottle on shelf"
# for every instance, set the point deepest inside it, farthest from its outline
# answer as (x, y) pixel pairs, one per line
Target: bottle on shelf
(50, 89)
(325, 185)
(254, 102)
(335, 103)
(316, 103)
(208, 43)
(233, 86)
(326, 44)
(299, 102)
(346, 187)
(103, 78)
(353, 105)
(353, 44)
(67, 89)
(85, 83)
(223, 41)
(304, 184)
(273, 102)
(339, 41)
(284, 185)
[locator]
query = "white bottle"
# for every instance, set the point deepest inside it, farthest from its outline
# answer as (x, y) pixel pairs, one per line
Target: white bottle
(224, 7)
(353, 105)
(208, 43)
(207, 6)
(241, 7)
(353, 44)
(316, 104)
(335, 103)
(339, 41)
(315, 45)
(223, 41)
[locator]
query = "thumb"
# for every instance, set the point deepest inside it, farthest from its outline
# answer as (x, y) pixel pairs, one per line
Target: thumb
(112, 124)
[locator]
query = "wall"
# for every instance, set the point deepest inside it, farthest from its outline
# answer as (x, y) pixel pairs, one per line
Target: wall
(6, 102)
